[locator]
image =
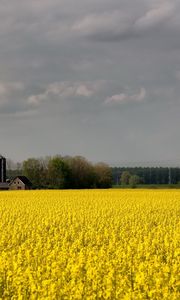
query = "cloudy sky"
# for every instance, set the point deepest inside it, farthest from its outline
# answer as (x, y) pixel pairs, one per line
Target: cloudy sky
(97, 78)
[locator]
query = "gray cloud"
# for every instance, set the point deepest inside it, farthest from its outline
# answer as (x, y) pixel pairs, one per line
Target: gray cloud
(126, 98)
(96, 78)
(118, 24)
(63, 90)
(9, 90)
(108, 23)
(158, 13)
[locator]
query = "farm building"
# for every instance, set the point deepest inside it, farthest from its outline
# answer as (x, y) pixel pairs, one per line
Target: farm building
(2, 169)
(3, 184)
(20, 183)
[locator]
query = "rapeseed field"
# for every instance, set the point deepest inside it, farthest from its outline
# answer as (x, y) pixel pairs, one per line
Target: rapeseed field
(89, 244)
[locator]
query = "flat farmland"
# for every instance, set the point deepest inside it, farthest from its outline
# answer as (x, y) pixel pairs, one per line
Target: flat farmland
(89, 244)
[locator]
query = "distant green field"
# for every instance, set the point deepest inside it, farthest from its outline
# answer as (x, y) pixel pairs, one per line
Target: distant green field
(149, 186)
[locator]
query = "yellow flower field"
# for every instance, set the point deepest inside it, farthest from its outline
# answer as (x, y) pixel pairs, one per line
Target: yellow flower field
(93, 244)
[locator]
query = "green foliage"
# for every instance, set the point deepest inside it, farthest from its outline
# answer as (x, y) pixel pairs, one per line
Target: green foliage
(33, 169)
(125, 178)
(58, 173)
(79, 173)
(82, 173)
(14, 173)
(65, 172)
(149, 175)
(134, 180)
(103, 175)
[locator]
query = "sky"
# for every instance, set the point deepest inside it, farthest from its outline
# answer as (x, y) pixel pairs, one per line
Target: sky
(99, 79)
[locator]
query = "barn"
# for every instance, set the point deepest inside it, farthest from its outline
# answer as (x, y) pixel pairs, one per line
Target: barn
(20, 183)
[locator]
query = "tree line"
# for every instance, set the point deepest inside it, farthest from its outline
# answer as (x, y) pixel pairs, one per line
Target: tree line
(146, 175)
(59, 172)
(78, 173)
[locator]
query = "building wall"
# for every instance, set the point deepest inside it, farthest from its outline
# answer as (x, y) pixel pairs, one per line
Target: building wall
(17, 184)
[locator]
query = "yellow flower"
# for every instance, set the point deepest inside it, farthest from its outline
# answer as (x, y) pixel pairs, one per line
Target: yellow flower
(89, 244)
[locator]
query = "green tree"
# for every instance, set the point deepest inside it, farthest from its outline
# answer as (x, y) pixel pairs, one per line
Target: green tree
(82, 172)
(33, 169)
(58, 173)
(103, 175)
(125, 177)
(134, 180)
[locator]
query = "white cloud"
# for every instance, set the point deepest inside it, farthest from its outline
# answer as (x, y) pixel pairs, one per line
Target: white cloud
(140, 96)
(64, 90)
(35, 100)
(121, 23)
(159, 12)
(115, 22)
(120, 98)
(125, 98)
(83, 90)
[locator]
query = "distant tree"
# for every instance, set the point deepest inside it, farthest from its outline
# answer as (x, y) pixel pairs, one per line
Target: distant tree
(10, 165)
(103, 175)
(58, 173)
(82, 172)
(125, 177)
(44, 161)
(150, 175)
(33, 169)
(134, 180)
(19, 165)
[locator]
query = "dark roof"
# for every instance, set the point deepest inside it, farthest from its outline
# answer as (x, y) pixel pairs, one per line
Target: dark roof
(24, 179)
